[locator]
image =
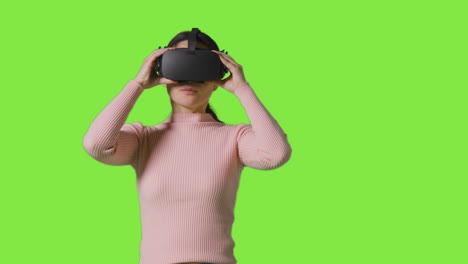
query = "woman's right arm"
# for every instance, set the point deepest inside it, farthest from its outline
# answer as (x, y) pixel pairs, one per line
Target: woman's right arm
(108, 139)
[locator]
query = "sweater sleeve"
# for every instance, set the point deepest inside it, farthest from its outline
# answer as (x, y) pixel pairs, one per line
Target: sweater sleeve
(262, 145)
(108, 139)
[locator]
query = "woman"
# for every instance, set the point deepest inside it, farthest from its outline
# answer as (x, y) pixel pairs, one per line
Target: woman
(188, 166)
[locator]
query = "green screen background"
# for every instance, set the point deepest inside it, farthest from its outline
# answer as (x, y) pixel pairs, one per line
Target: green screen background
(372, 95)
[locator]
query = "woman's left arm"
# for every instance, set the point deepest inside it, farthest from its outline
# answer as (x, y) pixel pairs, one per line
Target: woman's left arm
(263, 144)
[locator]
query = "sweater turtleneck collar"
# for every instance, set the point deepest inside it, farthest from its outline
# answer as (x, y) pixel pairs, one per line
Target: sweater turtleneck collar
(190, 118)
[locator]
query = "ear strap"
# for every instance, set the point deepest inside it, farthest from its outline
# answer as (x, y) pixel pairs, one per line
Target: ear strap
(192, 39)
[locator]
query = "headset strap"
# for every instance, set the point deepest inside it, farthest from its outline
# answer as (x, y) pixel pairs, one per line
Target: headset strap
(192, 39)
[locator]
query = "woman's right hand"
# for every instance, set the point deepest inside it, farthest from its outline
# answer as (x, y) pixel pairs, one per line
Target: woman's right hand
(147, 76)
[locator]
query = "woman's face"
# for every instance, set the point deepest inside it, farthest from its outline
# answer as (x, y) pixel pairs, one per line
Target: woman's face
(190, 102)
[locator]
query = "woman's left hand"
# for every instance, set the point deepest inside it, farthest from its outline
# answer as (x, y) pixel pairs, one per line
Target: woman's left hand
(236, 78)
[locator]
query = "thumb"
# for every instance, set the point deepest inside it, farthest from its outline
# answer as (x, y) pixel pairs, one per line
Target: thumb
(222, 82)
(166, 81)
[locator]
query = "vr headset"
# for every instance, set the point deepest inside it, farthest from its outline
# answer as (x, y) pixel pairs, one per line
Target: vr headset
(191, 64)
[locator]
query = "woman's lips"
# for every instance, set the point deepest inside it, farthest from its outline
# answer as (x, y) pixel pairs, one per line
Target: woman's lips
(189, 91)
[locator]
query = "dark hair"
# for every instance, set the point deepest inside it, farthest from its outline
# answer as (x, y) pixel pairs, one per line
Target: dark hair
(205, 40)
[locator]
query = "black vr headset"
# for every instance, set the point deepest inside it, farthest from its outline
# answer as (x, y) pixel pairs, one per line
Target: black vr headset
(190, 64)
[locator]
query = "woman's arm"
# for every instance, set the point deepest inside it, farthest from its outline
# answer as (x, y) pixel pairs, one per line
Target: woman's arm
(263, 144)
(108, 139)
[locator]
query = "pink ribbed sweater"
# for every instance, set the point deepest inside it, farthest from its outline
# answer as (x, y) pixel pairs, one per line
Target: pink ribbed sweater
(188, 171)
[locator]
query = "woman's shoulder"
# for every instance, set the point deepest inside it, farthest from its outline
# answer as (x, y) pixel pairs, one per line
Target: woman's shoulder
(136, 127)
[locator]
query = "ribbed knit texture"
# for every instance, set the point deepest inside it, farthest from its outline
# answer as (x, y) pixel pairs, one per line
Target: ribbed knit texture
(188, 170)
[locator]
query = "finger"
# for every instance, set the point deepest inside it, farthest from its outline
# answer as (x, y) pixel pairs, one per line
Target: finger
(232, 66)
(164, 49)
(226, 56)
(228, 64)
(229, 58)
(221, 57)
(158, 53)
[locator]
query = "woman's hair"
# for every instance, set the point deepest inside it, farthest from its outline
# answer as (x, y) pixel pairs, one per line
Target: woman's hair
(205, 40)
